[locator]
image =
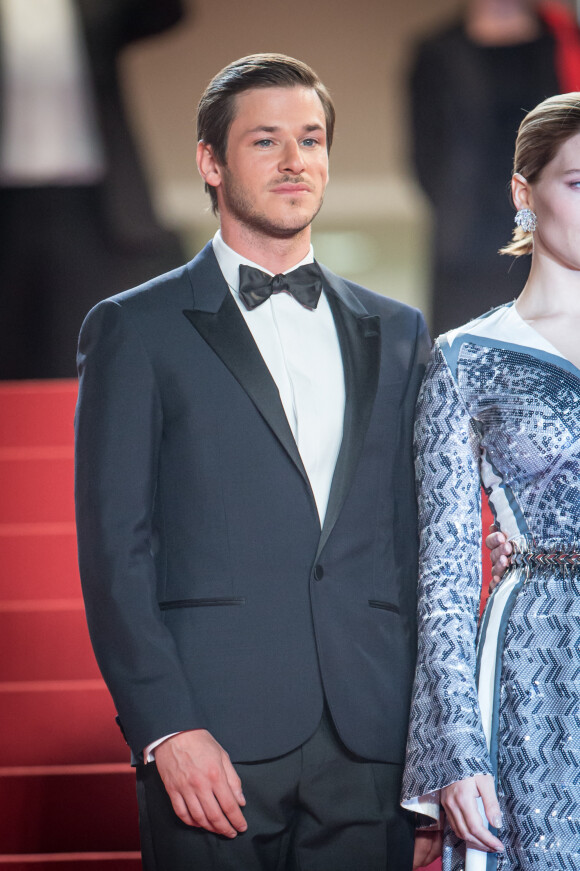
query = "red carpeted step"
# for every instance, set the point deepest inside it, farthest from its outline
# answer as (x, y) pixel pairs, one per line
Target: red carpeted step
(37, 413)
(82, 862)
(69, 812)
(38, 562)
(46, 640)
(36, 488)
(67, 793)
(57, 723)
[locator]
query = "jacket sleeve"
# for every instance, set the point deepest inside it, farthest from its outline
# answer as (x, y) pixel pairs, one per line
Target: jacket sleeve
(446, 739)
(406, 534)
(118, 431)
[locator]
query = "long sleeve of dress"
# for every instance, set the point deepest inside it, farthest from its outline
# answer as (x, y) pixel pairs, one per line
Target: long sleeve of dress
(446, 739)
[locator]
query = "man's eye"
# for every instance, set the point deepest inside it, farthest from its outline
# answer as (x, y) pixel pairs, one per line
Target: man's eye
(264, 143)
(309, 142)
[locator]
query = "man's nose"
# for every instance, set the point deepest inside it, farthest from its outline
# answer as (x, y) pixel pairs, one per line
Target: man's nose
(292, 159)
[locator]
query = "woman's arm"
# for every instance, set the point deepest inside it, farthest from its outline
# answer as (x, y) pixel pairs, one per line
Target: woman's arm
(446, 739)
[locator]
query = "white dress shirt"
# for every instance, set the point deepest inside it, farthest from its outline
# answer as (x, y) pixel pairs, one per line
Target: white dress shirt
(49, 131)
(301, 350)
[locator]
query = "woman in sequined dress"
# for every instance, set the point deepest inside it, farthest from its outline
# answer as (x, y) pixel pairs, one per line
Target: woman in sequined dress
(496, 726)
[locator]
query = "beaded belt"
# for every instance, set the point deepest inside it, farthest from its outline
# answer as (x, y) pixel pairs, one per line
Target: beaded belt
(555, 559)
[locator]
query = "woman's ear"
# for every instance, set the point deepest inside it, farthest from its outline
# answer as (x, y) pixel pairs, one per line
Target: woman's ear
(521, 192)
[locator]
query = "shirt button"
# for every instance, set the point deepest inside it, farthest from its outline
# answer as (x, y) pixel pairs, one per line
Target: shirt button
(318, 572)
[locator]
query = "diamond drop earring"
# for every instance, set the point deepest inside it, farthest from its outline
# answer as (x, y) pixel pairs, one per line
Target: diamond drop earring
(526, 219)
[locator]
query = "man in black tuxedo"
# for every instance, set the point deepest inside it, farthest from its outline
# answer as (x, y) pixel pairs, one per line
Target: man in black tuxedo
(246, 514)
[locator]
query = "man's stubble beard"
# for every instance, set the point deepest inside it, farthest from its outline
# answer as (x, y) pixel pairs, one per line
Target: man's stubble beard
(241, 208)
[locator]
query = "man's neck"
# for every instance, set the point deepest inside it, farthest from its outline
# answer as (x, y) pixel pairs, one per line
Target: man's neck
(270, 252)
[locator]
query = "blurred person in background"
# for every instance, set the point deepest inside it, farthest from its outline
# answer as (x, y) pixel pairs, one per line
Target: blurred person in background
(76, 219)
(471, 85)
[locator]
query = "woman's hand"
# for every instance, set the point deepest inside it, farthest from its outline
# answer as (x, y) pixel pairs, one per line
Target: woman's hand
(460, 803)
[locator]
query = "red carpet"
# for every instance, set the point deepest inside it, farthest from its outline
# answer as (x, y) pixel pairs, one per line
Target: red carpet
(67, 794)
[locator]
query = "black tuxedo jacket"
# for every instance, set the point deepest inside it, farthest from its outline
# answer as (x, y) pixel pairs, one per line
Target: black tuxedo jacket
(214, 599)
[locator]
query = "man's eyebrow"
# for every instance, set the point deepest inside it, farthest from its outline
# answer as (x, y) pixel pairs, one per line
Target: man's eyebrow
(263, 128)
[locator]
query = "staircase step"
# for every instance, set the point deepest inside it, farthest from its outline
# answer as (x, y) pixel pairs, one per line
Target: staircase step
(37, 412)
(60, 648)
(54, 723)
(78, 812)
(73, 862)
(39, 561)
(36, 487)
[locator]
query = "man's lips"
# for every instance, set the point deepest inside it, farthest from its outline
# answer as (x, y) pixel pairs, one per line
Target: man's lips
(289, 188)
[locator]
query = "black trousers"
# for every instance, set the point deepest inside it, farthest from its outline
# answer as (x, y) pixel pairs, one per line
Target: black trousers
(318, 808)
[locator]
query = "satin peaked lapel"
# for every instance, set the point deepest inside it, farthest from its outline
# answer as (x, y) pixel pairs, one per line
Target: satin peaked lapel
(220, 323)
(359, 335)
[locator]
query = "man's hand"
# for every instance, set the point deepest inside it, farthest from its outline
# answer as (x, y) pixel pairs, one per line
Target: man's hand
(201, 782)
(501, 550)
(460, 803)
(428, 847)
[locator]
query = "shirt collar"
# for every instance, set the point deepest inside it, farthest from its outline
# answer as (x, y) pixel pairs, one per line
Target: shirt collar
(229, 261)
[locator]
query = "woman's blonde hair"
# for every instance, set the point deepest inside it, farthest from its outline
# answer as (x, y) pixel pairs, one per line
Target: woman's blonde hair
(540, 135)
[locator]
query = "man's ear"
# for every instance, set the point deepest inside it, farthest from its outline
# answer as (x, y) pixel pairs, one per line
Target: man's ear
(522, 192)
(208, 167)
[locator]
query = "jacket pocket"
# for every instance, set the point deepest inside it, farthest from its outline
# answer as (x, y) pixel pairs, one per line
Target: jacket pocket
(384, 606)
(201, 603)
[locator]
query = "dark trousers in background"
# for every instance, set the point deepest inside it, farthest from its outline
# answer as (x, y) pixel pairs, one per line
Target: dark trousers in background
(317, 808)
(57, 259)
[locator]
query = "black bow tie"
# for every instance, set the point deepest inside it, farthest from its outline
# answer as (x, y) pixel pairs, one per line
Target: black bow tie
(303, 283)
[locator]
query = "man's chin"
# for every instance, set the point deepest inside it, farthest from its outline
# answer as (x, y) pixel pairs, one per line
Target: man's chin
(288, 226)
(288, 231)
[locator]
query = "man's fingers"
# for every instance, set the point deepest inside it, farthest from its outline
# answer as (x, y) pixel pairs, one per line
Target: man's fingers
(436, 849)
(234, 781)
(230, 807)
(197, 774)
(428, 846)
(501, 550)
(495, 539)
(209, 811)
(227, 789)
(190, 814)
(499, 545)
(217, 820)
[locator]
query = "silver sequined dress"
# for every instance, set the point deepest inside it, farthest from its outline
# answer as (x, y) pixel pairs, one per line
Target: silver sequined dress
(500, 406)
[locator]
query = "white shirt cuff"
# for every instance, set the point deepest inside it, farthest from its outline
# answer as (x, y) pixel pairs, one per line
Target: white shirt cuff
(148, 753)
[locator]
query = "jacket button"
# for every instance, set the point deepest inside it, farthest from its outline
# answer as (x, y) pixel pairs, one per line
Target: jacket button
(318, 572)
